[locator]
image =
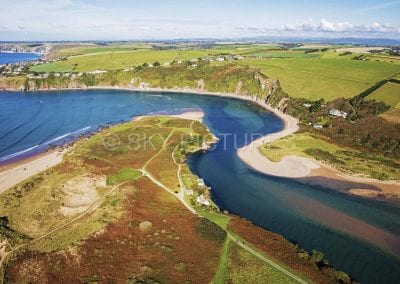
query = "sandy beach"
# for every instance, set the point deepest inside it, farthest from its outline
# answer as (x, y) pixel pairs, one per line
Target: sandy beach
(290, 166)
(309, 170)
(191, 115)
(14, 173)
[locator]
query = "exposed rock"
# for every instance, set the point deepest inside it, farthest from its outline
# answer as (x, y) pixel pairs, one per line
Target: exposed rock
(283, 103)
(145, 226)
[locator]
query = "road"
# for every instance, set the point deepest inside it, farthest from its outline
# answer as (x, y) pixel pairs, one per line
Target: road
(265, 259)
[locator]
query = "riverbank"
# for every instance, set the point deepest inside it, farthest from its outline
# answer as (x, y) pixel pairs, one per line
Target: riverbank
(303, 169)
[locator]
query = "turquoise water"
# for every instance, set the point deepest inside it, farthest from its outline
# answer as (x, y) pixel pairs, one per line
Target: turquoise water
(17, 57)
(356, 235)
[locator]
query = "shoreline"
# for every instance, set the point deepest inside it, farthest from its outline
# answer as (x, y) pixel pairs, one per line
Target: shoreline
(305, 170)
(13, 173)
(16, 171)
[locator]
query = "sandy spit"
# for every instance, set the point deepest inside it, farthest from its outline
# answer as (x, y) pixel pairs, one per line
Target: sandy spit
(289, 167)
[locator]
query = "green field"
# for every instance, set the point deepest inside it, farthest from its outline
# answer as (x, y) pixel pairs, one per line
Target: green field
(65, 50)
(329, 77)
(117, 60)
(389, 94)
(345, 159)
(244, 49)
(283, 54)
(123, 175)
(89, 58)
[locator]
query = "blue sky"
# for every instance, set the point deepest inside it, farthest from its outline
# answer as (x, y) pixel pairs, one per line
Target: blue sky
(155, 19)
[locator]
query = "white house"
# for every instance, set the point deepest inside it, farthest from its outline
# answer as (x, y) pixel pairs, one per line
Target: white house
(339, 113)
(202, 200)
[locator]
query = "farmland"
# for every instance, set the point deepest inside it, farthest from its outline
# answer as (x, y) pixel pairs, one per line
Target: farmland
(88, 49)
(389, 94)
(327, 78)
(90, 58)
(116, 60)
(303, 72)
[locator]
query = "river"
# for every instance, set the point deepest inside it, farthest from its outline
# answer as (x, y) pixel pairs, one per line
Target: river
(357, 235)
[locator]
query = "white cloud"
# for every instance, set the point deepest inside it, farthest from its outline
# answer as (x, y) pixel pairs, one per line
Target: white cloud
(326, 26)
(85, 20)
(339, 28)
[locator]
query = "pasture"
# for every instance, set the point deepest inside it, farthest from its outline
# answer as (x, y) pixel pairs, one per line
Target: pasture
(328, 77)
(72, 50)
(389, 94)
(117, 60)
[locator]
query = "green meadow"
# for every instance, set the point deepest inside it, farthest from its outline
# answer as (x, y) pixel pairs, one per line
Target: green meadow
(328, 77)
(389, 94)
(117, 60)
(282, 54)
(78, 50)
(311, 75)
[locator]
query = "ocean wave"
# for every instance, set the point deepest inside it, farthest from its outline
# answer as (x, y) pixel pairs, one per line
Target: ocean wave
(16, 154)
(44, 145)
(73, 133)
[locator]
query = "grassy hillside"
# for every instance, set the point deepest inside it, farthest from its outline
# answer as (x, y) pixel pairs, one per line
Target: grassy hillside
(112, 60)
(327, 78)
(71, 212)
(204, 77)
(108, 213)
(389, 94)
(111, 57)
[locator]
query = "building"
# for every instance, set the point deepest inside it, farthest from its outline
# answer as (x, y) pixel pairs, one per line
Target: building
(338, 113)
(202, 200)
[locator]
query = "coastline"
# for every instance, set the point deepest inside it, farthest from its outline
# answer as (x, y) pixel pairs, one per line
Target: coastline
(16, 172)
(306, 170)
